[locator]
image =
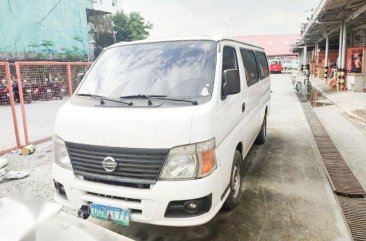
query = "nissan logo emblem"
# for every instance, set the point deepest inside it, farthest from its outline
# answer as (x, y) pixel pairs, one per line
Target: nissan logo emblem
(109, 164)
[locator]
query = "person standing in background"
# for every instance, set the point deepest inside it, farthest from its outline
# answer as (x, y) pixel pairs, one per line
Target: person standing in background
(308, 67)
(358, 64)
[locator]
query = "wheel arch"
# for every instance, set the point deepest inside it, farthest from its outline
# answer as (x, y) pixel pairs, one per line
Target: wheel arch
(239, 147)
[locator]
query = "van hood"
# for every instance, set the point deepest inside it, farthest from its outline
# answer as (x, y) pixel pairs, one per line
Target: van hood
(125, 127)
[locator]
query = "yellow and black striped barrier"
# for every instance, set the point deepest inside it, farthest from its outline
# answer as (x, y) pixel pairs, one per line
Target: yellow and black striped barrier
(341, 79)
(326, 73)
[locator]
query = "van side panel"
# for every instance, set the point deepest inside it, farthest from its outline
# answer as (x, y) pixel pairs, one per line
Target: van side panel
(238, 124)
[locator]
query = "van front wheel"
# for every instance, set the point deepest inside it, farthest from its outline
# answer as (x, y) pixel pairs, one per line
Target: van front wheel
(261, 138)
(235, 183)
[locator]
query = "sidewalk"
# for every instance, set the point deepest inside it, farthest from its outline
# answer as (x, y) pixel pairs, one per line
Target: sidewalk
(352, 103)
(345, 122)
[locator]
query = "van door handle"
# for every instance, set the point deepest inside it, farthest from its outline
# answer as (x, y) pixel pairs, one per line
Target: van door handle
(243, 107)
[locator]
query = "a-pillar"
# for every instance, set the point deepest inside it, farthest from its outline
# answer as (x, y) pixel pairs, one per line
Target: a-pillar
(326, 57)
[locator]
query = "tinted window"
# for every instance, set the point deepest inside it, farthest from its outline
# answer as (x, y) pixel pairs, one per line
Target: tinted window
(250, 66)
(262, 65)
(176, 69)
(229, 60)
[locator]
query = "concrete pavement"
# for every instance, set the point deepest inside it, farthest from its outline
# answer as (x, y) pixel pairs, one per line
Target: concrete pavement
(352, 103)
(286, 193)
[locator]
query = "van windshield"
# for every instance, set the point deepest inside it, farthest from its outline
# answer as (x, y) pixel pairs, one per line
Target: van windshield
(176, 69)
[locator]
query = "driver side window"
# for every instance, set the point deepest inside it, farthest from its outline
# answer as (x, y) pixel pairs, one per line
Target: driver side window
(229, 60)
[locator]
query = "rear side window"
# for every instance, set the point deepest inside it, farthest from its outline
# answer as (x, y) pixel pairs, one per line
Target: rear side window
(262, 65)
(229, 60)
(250, 66)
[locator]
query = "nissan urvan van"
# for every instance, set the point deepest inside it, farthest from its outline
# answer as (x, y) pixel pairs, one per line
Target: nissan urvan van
(157, 131)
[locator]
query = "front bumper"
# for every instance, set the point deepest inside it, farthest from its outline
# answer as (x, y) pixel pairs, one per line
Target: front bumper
(147, 205)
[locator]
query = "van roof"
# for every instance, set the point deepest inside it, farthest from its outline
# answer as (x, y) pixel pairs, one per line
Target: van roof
(213, 38)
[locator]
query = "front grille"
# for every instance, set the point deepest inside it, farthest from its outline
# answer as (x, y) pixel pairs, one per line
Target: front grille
(134, 165)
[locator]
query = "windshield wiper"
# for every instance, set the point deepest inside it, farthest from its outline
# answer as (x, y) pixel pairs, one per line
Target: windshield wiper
(140, 96)
(89, 95)
(103, 98)
(159, 97)
(193, 102)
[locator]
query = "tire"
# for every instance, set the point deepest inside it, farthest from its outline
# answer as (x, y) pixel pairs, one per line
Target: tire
(309, 86)
(49, 96)
(235, 183)
(261, 138)
(298, 86)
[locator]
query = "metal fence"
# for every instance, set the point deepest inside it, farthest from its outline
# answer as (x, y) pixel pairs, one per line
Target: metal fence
(36, 90)
(9, 131)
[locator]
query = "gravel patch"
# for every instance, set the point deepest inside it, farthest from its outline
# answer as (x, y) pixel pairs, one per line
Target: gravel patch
(39, 182)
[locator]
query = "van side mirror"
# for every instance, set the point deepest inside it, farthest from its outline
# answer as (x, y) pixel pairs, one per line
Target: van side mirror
(231, 85)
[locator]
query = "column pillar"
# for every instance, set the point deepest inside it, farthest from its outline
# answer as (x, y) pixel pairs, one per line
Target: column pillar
(342, 59)
(316, 67)
(305, 56)
(326, 57)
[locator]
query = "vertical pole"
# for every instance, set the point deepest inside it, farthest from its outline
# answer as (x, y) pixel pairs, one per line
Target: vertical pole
(305, 56)
(21, 99)
(12, 104)
(299, 61)
(326, 57)
(316, 58)
(69, 78)
(299, 58)
(339, 56)
(305, 53)
(344, 51)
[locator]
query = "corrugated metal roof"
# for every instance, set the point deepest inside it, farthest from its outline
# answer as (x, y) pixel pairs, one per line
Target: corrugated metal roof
(329, 15)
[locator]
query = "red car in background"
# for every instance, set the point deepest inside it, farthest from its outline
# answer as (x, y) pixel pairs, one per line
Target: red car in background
(275, 66)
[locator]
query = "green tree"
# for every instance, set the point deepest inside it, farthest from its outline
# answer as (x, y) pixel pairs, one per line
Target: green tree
(130, 27)
(48, 46)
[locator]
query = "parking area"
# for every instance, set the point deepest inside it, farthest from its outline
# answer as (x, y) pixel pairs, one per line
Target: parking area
(286, 192)
(286, 196)
(40, 116)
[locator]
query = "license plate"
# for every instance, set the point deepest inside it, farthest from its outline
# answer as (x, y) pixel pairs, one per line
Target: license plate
(116, 215)
(63, 90)
(28, 91)
(49, 91)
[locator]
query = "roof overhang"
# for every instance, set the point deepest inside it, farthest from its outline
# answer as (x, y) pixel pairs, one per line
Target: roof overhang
(328, 18)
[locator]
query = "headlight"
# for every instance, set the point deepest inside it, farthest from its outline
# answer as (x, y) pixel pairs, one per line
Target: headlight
(60, 153)
(190, 161)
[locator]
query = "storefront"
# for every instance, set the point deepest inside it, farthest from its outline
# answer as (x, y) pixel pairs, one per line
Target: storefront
(335, 44)
(356, 69)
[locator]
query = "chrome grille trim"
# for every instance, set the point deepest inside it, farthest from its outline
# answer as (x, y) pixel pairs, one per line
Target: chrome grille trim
(135, 165)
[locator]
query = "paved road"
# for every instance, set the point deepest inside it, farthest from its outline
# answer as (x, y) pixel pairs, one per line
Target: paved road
(40, 116)
(286, 193)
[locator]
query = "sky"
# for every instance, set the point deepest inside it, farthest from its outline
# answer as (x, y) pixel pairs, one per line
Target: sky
(172, 18)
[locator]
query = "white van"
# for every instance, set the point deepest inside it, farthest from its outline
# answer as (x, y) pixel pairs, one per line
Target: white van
(157, 130)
